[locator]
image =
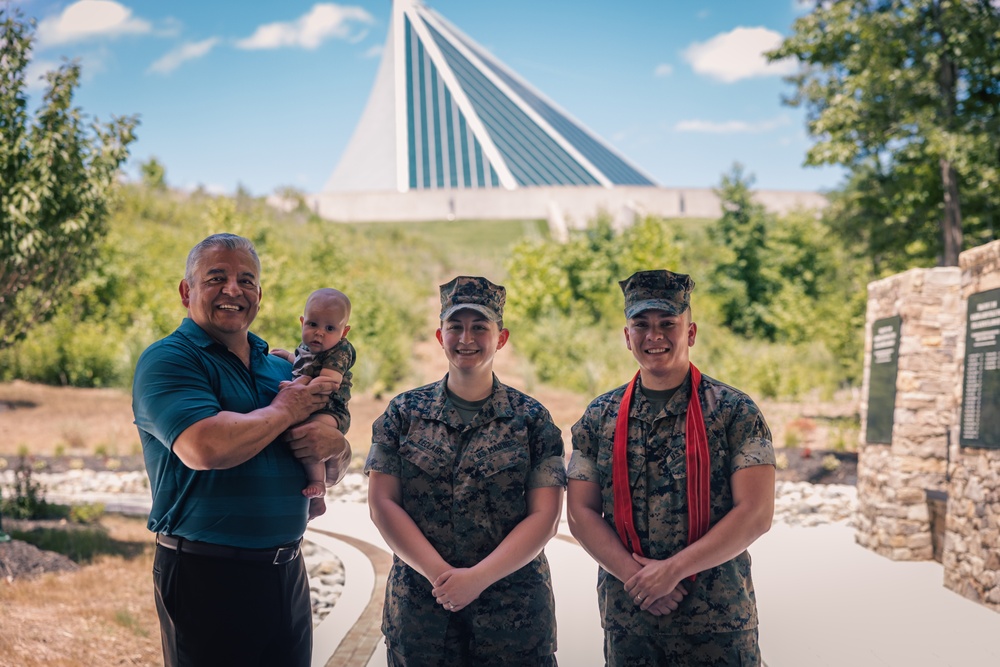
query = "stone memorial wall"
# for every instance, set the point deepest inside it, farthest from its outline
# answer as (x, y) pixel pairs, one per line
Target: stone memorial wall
(972, 533)
(914, 322)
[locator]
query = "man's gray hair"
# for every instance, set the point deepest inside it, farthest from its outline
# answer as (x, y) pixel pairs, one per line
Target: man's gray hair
(224, 240)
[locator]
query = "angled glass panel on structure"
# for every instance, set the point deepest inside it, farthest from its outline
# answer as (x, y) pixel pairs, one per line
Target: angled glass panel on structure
(617, 170)
(533, 157)
(442, 151)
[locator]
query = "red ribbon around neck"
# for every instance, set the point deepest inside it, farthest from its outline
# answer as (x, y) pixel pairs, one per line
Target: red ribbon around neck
(696, 456)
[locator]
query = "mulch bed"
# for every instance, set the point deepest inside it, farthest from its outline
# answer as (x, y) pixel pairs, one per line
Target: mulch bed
(810, 465)
(20, 560)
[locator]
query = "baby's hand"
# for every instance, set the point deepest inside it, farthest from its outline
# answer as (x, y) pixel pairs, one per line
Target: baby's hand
(284, 354)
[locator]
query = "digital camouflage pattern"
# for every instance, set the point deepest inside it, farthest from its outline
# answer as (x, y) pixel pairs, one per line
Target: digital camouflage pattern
(722, 649)
(476, 293)
(720, 599)
(659, 290)
(464, 486)
(340, 358)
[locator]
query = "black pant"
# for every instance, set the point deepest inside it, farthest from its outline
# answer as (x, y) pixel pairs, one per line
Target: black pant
(216, 611)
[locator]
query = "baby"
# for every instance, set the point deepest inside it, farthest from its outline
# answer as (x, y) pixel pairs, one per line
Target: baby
(324, 352)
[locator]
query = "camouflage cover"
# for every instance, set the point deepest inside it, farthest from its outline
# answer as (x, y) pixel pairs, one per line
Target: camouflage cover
(659, 290)
(472, 292)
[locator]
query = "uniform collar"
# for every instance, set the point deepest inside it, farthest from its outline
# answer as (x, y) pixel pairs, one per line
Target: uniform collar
(677, 405)
(497, 407)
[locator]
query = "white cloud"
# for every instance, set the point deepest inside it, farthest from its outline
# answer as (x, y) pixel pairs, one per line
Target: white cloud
(324, 21)
(180, 55)
(34, 73)
(358, 38)
(738, 54)
(91, 63)
(663, 69)
(731, 126)
(374, 52)
(88, 19)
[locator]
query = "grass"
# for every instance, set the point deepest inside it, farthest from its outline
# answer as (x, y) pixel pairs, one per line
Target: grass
(466, 247)
(102, 614)
(81, 544)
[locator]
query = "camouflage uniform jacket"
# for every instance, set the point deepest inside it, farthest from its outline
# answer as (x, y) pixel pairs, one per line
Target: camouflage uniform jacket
(720, 599)
(339, 358)
(465, 487)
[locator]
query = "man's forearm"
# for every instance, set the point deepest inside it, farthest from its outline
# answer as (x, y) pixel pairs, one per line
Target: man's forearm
(229, 438)
(602, 543)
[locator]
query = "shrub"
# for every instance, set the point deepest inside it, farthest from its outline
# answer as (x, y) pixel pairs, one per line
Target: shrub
(830, 463)
(86, 513)
(26, 499)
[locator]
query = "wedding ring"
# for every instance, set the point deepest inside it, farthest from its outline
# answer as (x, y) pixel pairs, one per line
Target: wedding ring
(451, 605)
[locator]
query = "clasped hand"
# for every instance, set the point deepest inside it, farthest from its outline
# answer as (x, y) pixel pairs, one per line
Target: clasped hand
(457, 588)
(655, 588)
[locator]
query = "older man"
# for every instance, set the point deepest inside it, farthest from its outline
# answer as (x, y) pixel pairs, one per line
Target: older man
(224, 442)
(671, 479)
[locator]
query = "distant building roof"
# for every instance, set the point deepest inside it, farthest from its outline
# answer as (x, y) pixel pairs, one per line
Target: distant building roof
(446, 114)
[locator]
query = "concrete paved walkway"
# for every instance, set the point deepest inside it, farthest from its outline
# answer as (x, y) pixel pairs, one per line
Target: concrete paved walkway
(823, 600)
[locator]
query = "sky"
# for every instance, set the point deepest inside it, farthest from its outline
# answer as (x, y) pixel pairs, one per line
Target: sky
(265, 95)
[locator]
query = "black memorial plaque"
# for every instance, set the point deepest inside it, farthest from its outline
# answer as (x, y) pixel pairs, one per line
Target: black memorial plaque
(882, 380)
(981, 384)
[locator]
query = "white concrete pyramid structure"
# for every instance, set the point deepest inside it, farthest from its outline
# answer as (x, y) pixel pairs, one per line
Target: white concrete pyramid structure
(444, 114)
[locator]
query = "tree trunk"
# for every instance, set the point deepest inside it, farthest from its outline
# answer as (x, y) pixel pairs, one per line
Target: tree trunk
(951, 224)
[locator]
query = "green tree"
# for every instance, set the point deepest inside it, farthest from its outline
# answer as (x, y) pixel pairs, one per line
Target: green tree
(57, 178)
(743, 278)
(564, 304)
(905, 93)
(154, 174)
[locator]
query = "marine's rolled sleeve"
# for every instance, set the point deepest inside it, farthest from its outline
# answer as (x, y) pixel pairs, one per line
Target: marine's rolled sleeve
(749, 438)
(586, 446)
(383, 456)
(548, 464)
(582, 469)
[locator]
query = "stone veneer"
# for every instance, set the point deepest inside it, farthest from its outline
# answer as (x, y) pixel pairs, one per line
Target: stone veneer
(894, 479)
(972, 536)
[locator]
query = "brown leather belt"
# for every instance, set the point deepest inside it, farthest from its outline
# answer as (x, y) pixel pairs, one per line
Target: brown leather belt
(275, 556)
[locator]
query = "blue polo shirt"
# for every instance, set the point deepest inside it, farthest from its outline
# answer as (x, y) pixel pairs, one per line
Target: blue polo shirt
(187, 377)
